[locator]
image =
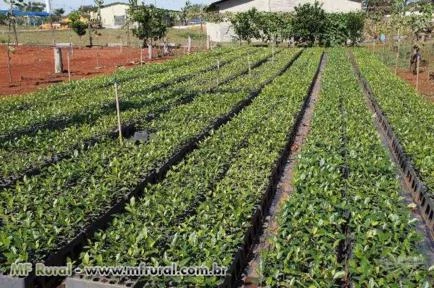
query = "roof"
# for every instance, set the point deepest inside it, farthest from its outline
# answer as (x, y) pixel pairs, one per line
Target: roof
(114, 3)
(25, 13)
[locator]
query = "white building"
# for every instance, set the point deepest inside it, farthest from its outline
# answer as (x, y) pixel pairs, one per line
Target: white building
(235, 6)
(114, 15)
(222, 32)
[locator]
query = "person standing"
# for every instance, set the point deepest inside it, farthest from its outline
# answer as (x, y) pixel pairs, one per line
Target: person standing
(416, 57)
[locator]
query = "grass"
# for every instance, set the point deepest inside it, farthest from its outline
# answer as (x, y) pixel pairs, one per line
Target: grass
(34, 36)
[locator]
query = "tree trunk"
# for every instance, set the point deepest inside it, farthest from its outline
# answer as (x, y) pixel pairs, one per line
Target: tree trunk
(14, 27)
(9, 64)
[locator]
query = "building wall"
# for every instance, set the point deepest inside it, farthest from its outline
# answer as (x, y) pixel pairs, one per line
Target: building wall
(235, 6)
(220, 32)
(109, 13)
(341, 5)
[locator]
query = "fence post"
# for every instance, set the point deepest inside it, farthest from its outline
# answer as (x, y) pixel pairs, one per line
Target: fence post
(427, 66)
(397, 53)
(58, 63)
(69, 66)
(417, 74)
(189, 45)
(150, 51)
(208, 44)
(118, 112)
(218, 73)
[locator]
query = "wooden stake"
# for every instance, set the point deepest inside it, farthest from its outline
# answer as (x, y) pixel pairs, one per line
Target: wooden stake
(9, 47)
(417, 74)
(141, 56)
(9, 63)
(397, 53)
(118, 112)
(218, 73)
(69, 67)
(427, 66)
(189, 45)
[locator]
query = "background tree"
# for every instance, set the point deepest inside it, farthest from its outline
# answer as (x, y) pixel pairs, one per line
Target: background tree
(11, 18)
(34, 6)
(3, 19)
(335, 32)
(246, 25)
(355, 23)
(194, 11)
(184, 12)
(77, 25)
(309, 23)
(59, 12)
(420, 20)
(150, 21)
(99, 4)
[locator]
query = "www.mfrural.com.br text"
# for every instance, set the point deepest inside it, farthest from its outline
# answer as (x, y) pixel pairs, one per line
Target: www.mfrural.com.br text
(142, 270)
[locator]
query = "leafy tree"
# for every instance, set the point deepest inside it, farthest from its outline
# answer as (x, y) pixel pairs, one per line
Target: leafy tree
(3, 19)
(309, 23)
(246, 25)
(77, 25)
(193, 11)
(336, 30)
(421, 20)
(268, 26)
(59, 12)
(98, 4)
(34, 6)
(355, 23)
(184, 12)
(12, 20)
(151, 22)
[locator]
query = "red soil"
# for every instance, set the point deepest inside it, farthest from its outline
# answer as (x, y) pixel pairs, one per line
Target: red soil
(32, 67)
(426, 85)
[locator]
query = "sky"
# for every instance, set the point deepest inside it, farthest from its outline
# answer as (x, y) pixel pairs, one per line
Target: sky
(69, 5)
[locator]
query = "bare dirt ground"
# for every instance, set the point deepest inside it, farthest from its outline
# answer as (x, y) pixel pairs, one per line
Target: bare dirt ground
(426, 85)
(32, 67)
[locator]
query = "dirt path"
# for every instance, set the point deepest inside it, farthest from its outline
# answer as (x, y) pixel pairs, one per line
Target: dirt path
(252, 277)
(32, 67)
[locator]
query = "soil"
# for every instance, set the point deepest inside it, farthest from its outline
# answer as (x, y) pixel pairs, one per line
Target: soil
(32, 67)
(426, 85)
